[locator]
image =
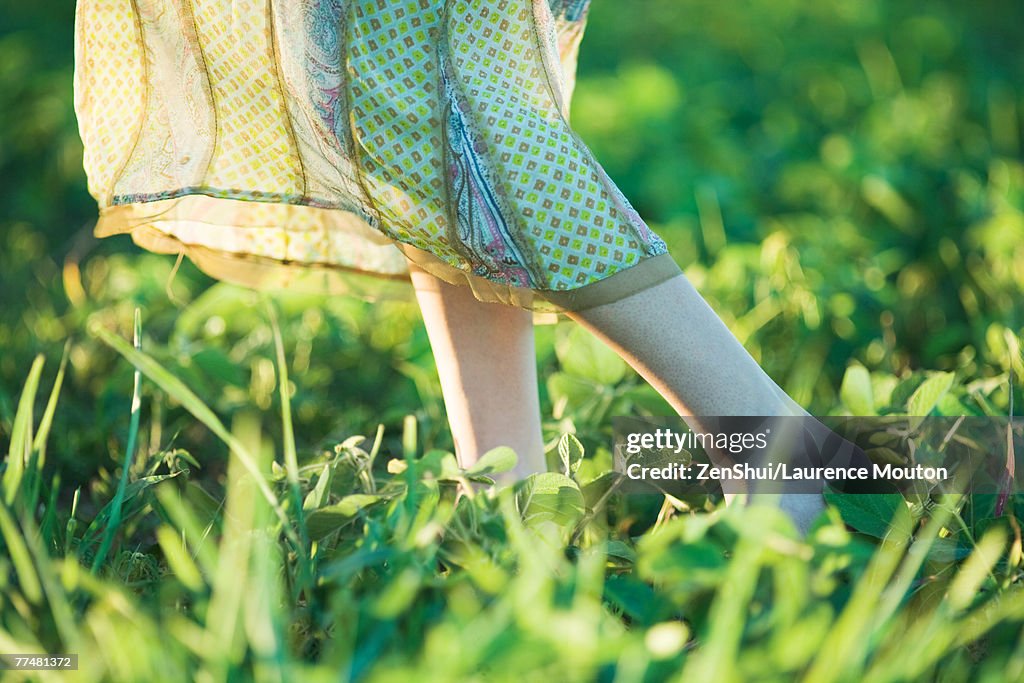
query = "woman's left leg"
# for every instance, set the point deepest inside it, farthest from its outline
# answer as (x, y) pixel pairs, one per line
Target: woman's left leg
(487, 365)
(674, 340)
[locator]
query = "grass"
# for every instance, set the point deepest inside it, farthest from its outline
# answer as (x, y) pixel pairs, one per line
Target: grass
(348, 564)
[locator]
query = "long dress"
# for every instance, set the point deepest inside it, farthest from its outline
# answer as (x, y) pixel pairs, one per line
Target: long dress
(325, 144)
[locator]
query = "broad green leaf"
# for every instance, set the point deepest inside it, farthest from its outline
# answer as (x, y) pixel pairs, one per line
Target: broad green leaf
(856, 391)
(500, 459)
(316, 497)
(619, 549)
(951, 405)
(595, 491)
(645, 396)
(634, 597)
(691, 566)
(329, 519)
(868, 513)
(904, 389)
(568, 391)
(947, 550)
(431, 460)
(550, 496)
(570, 451)
(927, 396)
(584, 355)
(882, 387)
(441, 464)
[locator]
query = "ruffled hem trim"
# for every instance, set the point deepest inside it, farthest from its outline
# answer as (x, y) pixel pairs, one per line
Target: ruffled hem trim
(336, 252)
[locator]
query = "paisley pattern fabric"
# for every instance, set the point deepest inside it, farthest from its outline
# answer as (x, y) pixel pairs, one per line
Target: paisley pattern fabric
(326, 143)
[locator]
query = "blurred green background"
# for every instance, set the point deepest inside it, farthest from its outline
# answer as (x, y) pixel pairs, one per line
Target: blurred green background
(841, 179)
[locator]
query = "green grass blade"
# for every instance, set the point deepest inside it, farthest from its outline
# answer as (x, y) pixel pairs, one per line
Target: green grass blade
(193, 535)
(846, 641)
(291, 461)
(178, 559)
(114, 522)
(18, 552)
(716, 661)
(72, 526)
(177, 389)
(48, 525)
(17, 457)
(409, 446)
(46, 575)
(37, 457)
(39, 443)
(977, 568)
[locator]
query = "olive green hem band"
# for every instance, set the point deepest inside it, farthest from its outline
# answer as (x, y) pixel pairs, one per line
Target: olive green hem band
(649, 272)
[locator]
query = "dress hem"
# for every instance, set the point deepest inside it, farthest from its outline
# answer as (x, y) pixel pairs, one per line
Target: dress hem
(390, 281)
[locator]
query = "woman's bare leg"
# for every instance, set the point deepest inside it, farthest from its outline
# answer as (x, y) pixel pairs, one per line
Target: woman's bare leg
(488, 369)
(670, 335)
(676, 342)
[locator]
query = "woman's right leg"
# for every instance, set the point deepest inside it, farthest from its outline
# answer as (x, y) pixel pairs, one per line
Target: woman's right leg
(488, 370)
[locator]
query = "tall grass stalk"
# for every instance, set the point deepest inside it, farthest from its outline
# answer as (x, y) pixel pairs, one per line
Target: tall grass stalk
(21, 435)
(114, 521)
(291, 462)
(175, 388)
